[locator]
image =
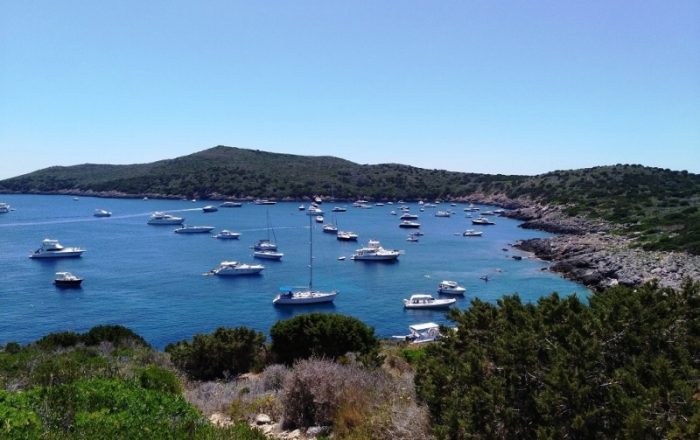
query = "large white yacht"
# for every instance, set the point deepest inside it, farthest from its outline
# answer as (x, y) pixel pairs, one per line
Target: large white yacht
(339, 209)
(194, 230)
(443, 214)
(426, 332)
(4, 208)
(264, 245)
(53, 249)
(408, 216)
(423, 301)
(161, 218)
(409, 224)
(234, 268)
(450, 288)
(375, 252)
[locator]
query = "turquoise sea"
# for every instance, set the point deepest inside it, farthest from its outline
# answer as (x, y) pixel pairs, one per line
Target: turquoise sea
(151, 279)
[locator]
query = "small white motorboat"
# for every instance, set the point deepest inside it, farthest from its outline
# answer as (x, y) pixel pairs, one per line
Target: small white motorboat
(194, 230)
(450, 288)
(102, 213)
(319, 219)
(346, 236)
(302, 207)
(482, 221)
(408, 216)
(424, 301)
(331, 229)
(210, 208)
(4, 208)
(225, 234)
(412, 238)
(67, 279)
(234, 268)
(443, 214)
(409, 224)
(265, 245)
(268, 255)
(426, 332)
(339, 209)
(53, 249)
(231, 205)
(472, 233)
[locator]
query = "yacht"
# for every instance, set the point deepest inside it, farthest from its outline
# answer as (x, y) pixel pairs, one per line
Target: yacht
(408, 216)
(225, 234)
(305, 295)
(319, 219)
(231, 205)
(488, 212)
(234, 268)
(331, 229)
(471, 208)
(442, 214)
(346, 236)
(210, 208)
(265, 202)
(450, 288)
(314, 210)
(472, 233)
(67, 279)
(424, 301)
(4, 208)
(482, 221)
(194, 230)
(409, 224)
(379, 204)
(161, 218)
(339, 209)
(102, 213)
(375, 252)
(268, 255)
(265, 245)
(53, 249)
(426, 332)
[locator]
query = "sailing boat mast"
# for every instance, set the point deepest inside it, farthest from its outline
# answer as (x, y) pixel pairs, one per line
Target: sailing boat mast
(311, 254)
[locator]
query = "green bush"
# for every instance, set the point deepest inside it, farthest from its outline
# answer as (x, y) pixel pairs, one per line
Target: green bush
(226, 351)
(324, 335)
(12, 348)
(159, 379)
(116, 334)
(53, 341)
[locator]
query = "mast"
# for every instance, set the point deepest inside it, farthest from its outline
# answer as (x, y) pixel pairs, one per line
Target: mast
(311, 254)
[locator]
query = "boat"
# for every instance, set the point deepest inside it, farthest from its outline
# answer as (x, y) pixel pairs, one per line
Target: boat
(319, 219)
(234, 268)
(53, 249)
(314, 210)
(392, 212)
(379, 204)
(318, 200)
(75, 199)
(488, 213)
(67, 279)
(482, 221)
(418, 233)
(412, 238)
(409, 224)
(341, 258)
(442, 214)
(161, 218)
(339, 209)
(304, 295)
(346, 236)
(485, 278)
(264, 202)
(231, 205)
(210, 208)
(4, 208)
(450, 288)
(225, 234)
(268, 255)
(408, 216)
(420, 333)
(331, 229)
(471, 208)
(472, 233)
(102, 213)
(264, 244)
(302, 207)
(517, 257)
(425, 301)
(194, 230)
(375, 252)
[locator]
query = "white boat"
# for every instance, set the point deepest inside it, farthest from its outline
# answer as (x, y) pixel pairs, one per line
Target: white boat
(265, 202)
(268, 255)
(339, 209)
(412, 238)
(379, 204)
(194, 230)
(4, 208)
(305, 295)
(231, 205)
(408, 216)
(314, 210)
(265, 245)
(442, 214)
(161, 218)
(102, 213)
(482, 221)
(450, 288)
(53, 249)
(225, 234)
(234, 268)
(424, 301)
(210, 208)
(302, 207)
(331, 229)
(318, 200)
(67, 279)
(426, 332)
(472, 233)
(488, 213)
(375, 252)
(471, 208)
(392, 212)
(346, 236)
(409, 224)
(319, 219)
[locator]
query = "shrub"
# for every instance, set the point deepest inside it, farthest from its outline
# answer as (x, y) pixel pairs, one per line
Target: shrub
(159, 379)
(53, 341)
(273, 377)
(322, 335)
(12, 348)
(215, 355)
(118, 335)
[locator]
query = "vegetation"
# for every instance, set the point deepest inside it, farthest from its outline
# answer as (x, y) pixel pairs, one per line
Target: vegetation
(627, 365)
(323, 335)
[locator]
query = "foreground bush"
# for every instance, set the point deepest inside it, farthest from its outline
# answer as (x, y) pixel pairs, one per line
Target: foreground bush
(117, 335)
(227, 351)
(322, 335)
(625, 366)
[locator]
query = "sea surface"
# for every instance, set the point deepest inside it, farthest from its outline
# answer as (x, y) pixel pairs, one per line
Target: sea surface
(151, 279)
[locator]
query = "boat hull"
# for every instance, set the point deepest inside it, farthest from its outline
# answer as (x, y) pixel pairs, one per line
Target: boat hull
(239, 272)
(448, 291)
(434, 306)
(375, 257)
(71, 283)
(282, 300)
(58, 254)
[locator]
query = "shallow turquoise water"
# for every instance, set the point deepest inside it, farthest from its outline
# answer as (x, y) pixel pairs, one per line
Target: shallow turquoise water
(150, 279)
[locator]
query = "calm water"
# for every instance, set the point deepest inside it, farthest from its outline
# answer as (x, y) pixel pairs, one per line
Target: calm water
(150, 279)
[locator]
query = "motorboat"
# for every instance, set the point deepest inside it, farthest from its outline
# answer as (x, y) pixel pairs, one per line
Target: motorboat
(264, 202)
(488, 213)
(331, 229)
(420, 333)
(425, 301)
(314, 210)
(210, 208)
(264, 245)
(375, 252)
(268, 255)
(302, 207)
(392, 212)
(4, 208)
(450, 288)
(319, 219)
(67, 279)
(412, 238)
(482, 221)
(231, 205)
(102, 213)
(346, 236)
(318, 200)
(408, 216)
(471, 208)
(234, 268)
(442, 214)
(161, 218)
(379, 204)
(418, 233)
(53, 249)
(225, 234)
(194, 230)
(409, 224)
(339, 209)
(304, 295)
(472, 233)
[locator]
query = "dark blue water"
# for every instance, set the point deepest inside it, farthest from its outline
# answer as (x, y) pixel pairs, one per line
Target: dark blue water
(150, 279)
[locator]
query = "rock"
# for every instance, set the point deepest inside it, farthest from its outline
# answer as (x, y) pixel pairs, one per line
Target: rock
(263, 419)
(219, 419)
(315, 431)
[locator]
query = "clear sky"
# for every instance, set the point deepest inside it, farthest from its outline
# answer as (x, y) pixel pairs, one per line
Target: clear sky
(486, 86)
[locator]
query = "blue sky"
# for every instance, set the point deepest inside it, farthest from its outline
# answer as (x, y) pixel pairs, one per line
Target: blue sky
(485, 86)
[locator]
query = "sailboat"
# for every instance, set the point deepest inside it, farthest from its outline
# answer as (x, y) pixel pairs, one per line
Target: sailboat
(267, 244)
(305, 295)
